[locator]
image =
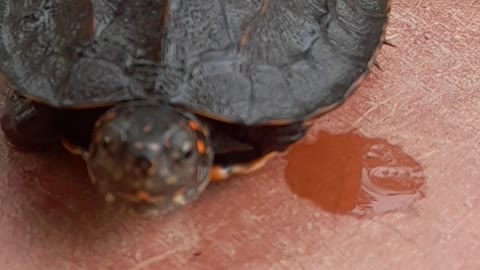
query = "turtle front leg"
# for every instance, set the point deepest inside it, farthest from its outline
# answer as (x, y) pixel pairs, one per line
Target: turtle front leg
(28, 126)
(220, 173)
(265, 143)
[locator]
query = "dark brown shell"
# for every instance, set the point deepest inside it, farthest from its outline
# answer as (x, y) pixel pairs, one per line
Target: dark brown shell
(254, 61)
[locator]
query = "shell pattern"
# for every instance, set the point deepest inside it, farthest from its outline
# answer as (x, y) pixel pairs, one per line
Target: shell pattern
(249, 61)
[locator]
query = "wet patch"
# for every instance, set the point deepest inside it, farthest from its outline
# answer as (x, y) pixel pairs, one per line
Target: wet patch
(351, 174)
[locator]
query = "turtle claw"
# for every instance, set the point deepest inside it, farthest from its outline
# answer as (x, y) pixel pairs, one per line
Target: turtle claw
(27, 126)
(74, 149)
(389, 43)
(221, 173)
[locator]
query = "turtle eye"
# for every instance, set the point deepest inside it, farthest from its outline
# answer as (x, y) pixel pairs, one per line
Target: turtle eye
(106, 142)
(144, 163)
(183, 152)
(182, 142)
(186, 150)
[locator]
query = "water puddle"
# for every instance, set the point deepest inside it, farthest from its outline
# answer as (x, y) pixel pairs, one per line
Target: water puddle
(350, 174)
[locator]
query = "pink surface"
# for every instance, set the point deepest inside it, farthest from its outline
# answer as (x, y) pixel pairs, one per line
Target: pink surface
(425, 101)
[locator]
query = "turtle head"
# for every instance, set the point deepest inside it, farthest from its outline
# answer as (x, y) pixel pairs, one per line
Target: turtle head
(149, 156)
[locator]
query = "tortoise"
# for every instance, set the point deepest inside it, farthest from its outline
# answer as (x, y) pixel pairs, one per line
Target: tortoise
(162, 97)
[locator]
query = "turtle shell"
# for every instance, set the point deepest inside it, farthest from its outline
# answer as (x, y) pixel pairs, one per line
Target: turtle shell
(252, 62)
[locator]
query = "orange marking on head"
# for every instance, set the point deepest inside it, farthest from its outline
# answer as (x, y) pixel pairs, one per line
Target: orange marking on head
(142, 196)
(194, 125)
(201, 147)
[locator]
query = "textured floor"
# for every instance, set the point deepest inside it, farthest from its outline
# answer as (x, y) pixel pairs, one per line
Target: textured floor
(425, 101)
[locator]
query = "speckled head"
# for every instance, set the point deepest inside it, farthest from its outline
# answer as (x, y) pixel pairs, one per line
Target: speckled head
(150, 157)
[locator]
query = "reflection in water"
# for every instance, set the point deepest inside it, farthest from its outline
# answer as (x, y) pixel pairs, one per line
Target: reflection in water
(350, 174)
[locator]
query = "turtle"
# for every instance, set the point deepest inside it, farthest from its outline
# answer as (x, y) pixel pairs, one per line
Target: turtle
(162, 97)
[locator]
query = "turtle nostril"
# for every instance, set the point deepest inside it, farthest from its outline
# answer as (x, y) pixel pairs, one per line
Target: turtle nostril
(146, 165)
(143, 163)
